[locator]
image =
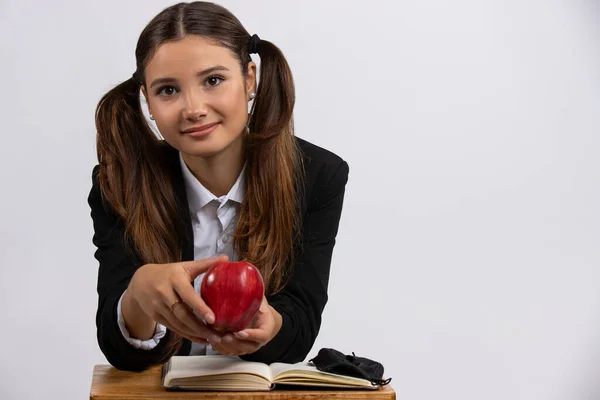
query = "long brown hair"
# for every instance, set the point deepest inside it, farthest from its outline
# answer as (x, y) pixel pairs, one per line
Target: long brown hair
(133, 175)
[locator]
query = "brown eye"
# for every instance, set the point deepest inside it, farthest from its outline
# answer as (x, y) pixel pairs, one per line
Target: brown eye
(167, 91)
(214, 80)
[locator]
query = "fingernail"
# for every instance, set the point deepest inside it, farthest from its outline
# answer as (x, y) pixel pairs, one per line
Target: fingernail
(228, 339)
(241, 335)
(209, 318)
(215, 339)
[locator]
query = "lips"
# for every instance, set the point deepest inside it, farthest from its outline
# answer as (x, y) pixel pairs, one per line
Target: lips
(200, 129)
(200, 132)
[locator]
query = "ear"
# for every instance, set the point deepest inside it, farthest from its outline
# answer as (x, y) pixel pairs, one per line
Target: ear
(251, 77)
(146, 97)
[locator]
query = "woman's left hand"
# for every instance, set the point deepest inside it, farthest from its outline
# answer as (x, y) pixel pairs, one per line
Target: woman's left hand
(265, 325)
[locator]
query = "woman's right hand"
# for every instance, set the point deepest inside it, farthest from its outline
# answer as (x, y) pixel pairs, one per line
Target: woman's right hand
(163, 292)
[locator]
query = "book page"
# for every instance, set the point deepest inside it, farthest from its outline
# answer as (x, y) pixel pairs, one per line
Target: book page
(279, 368)
(305, 373)
(193, 366)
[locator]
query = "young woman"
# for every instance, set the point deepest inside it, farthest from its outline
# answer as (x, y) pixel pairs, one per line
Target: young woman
(224, 184)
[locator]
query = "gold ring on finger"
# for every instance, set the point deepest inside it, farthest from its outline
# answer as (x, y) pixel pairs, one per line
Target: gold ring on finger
(174, 304)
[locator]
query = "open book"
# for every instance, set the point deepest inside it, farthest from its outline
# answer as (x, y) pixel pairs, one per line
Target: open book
(230, 373)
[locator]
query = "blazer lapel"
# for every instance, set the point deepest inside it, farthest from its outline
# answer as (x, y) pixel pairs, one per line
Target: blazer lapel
(184, 231)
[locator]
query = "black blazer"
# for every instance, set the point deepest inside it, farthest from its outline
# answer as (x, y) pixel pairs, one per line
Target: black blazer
(300, 302)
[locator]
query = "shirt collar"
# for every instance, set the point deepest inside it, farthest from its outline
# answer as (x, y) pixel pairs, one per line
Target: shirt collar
(199, 196)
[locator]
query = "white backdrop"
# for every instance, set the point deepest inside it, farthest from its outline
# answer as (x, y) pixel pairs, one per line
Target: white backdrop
(467, 260)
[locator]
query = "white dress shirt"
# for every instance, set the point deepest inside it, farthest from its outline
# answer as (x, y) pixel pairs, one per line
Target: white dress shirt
(214, 219)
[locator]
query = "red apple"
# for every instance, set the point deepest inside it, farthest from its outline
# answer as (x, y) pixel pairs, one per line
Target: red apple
(234, 292)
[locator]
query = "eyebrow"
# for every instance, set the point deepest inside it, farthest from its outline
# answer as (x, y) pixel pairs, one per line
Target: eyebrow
(200, 74)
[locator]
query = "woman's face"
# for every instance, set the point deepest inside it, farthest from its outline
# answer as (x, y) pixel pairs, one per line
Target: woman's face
(198, 95)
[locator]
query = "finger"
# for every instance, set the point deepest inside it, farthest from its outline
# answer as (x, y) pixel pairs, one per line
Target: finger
(223, 350)
(240, 346)
(192, 322)
(261, 331)
(255, 335)
(190, 297)
(174, 322)
(161, 320)
(171, 322)
(235, 347)
(197, 267)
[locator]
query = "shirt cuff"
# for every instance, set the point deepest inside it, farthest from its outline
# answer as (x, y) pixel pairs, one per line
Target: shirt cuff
(149, 344)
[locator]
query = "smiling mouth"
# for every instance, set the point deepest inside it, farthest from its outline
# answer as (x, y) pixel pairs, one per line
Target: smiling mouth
(201, 131)
(200, 128)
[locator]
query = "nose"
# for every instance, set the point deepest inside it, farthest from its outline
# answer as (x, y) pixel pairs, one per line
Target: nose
(194, 106)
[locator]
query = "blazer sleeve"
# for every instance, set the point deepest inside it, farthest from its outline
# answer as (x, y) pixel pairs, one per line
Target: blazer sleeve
(116, 268)
(302, 300)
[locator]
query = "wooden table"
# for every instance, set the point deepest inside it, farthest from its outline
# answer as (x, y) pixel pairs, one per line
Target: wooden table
(110, 383)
